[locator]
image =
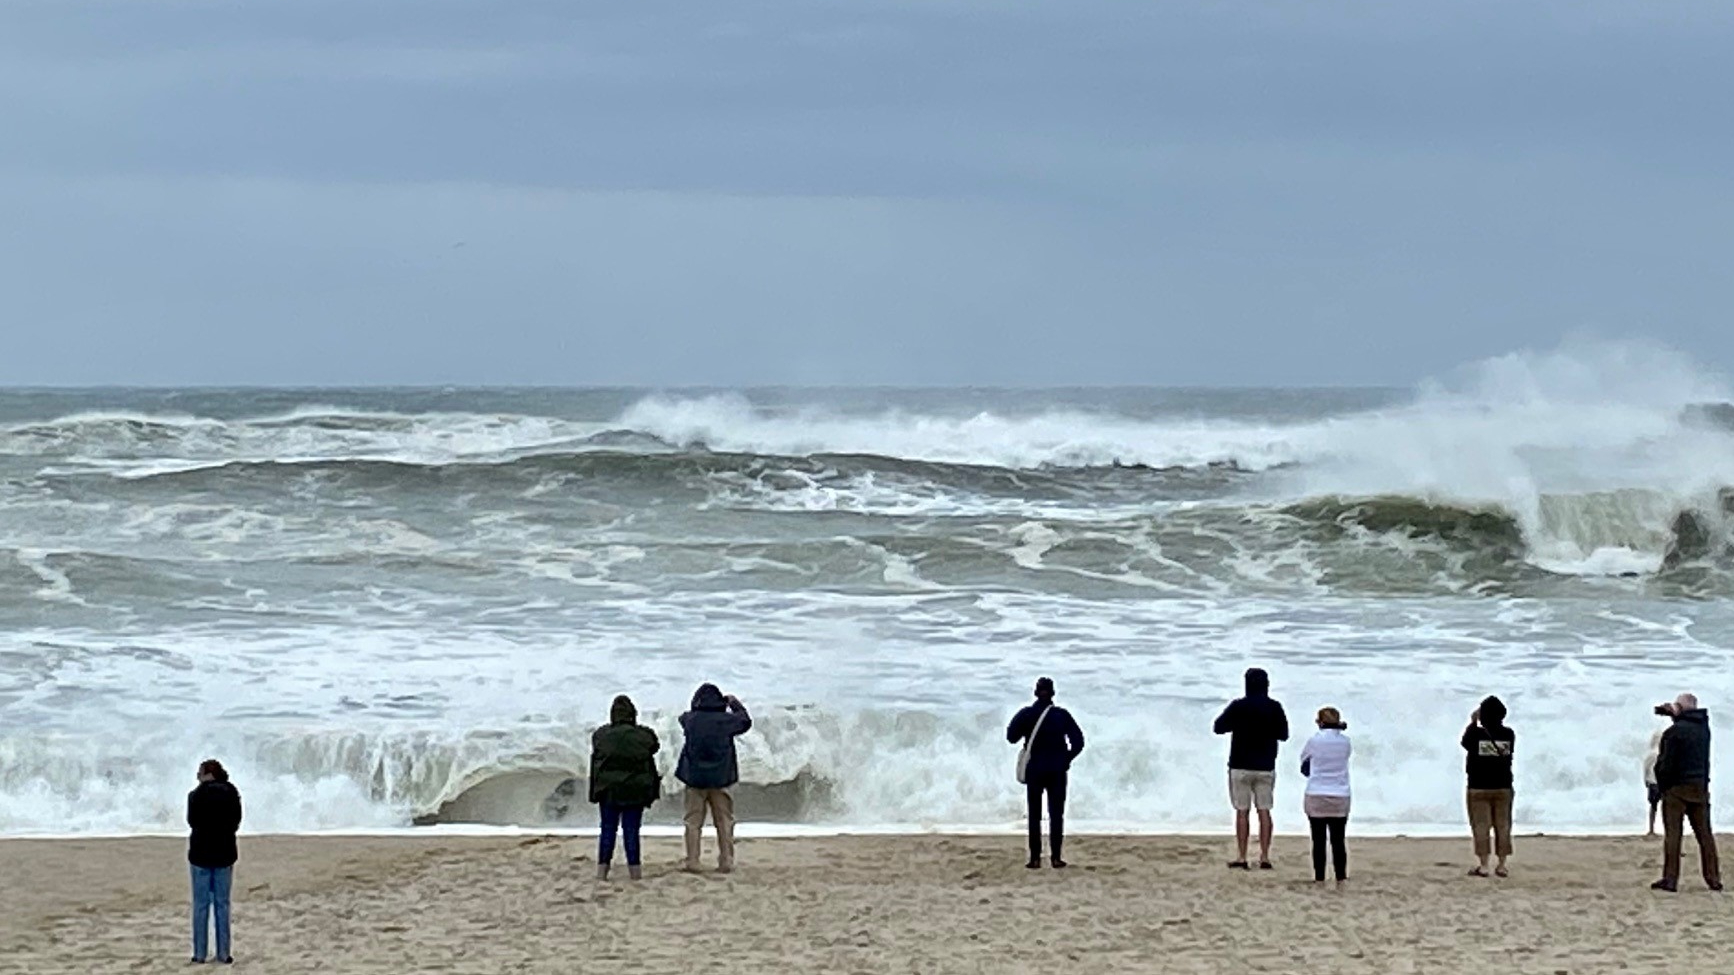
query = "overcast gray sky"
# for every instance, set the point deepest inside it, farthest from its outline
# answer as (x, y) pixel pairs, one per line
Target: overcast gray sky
(436, 191)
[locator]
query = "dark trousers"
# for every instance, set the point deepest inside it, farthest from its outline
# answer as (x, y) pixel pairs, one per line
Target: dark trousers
(1690, 803)
(1054, 784)
(626, 819)
(1335, 828)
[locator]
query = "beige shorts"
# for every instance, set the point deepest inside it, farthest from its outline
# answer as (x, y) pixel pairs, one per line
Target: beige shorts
(1248, 790)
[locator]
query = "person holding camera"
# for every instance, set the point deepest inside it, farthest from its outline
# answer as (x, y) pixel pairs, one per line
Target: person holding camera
(1683, 775)
(708, 767)
(1489, 745)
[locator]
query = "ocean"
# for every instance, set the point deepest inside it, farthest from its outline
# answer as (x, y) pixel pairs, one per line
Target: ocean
(382, 607)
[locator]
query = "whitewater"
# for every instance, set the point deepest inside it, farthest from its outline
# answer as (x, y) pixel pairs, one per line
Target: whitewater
(391, 607)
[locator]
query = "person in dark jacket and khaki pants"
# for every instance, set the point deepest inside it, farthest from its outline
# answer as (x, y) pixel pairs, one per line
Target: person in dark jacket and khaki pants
(623, 782)
(708, 768)
(1489, 746)
(214, 814)
(1683, 776)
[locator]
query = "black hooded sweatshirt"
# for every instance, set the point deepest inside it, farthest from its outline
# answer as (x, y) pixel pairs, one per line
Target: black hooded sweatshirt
(707, 757)
(1257, 723)
(1685, 756)
(214, 813)
(1488, 748)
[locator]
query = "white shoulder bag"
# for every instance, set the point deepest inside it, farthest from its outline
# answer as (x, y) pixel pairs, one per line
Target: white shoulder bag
(1024, 752)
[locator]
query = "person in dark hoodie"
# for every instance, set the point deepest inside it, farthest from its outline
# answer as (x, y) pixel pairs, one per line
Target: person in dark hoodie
(214, 813)
(708, 767)
(1054, 742)
(1488, 747)
(624, 782)
(1258, 725)
(1683, 775)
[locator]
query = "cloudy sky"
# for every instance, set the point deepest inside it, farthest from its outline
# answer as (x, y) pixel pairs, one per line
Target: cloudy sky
(931, 191)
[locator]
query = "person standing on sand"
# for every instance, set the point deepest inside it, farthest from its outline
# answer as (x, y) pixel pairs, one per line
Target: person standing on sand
(624, 782)
(708, 767)
(1258, 725)
(1325, 763)
(1652, 790)
(1683, 775)
(1054, 741)
(1488, 746)
(214, 814)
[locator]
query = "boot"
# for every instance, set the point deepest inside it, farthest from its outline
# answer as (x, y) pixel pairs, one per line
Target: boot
(602, 871)
(635, 871)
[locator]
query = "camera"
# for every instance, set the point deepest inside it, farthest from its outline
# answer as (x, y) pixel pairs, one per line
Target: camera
(1665, 710)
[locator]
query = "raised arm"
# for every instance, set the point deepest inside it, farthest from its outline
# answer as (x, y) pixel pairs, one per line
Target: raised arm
(743, 720)
(1225, 720)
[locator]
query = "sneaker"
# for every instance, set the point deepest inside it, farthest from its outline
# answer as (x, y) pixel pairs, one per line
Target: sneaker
(1667, 885)
(1034, 864)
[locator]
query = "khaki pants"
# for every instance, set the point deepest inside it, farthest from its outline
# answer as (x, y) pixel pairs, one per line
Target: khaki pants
(1690, 803)
(722, 814)
(1490, 812)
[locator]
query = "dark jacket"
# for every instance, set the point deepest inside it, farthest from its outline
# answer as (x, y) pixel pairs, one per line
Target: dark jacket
(1489, 748)
(1685, 756)
(707, 758)
(1056, 746)
(1257, 723)
(214, 813)
(623, 760)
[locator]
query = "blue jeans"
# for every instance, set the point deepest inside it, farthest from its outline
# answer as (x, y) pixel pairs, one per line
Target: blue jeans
(211, 900)
(626, 819)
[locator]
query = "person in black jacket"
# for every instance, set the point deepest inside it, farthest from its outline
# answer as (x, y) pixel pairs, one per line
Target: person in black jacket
(1258, 725)
(1683, 776)
(1488, 747)
(214, 813)
(624, 782)
(1054, 743)
(708, 767)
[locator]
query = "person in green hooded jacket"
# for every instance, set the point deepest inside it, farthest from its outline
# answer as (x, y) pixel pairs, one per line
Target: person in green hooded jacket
(624, 781)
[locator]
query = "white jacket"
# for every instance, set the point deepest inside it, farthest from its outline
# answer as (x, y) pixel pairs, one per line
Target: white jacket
(1328, 752)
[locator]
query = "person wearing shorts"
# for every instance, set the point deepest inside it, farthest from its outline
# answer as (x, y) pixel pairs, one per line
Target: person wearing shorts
(1249, 790)
(1258, 726)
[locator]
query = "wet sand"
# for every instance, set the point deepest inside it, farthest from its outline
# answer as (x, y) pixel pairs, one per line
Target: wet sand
(920, 904)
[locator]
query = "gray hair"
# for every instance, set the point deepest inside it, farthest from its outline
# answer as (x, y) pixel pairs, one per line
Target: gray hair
(1686, 702)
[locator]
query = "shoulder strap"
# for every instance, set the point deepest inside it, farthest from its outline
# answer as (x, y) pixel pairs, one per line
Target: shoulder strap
(1038, 728)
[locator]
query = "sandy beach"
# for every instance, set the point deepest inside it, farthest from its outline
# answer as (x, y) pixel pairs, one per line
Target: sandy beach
(860, 904)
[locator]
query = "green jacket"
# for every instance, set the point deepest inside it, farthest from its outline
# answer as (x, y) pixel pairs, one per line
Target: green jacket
(623, 759)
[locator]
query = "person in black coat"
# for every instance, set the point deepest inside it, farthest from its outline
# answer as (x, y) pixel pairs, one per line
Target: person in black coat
(214, 814)
(624, 782)
(1683, 776)
(1053, 741)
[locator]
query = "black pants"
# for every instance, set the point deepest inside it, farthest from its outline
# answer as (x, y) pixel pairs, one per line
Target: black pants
(1054, 784)
(1335, 827)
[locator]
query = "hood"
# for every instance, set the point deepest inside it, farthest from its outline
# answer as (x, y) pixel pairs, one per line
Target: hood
(623, 711)
(224, 787)
(1493, 712)
(709, 698)
(1696, 716)
(1257, 683)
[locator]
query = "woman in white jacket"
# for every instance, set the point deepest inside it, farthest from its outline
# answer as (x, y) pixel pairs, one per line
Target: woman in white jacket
(1325, 763)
